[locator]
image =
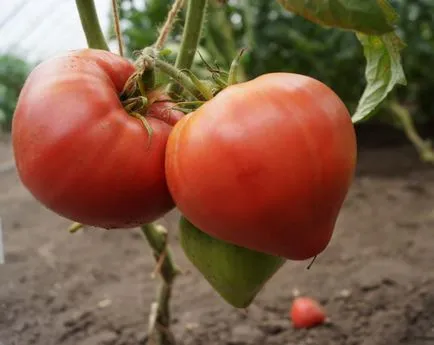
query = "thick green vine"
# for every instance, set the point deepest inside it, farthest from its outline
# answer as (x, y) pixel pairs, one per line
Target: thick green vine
(190, 38)
(91, 26)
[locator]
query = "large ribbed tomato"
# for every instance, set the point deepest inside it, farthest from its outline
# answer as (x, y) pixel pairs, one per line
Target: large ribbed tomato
(80, 153)
(266, 164)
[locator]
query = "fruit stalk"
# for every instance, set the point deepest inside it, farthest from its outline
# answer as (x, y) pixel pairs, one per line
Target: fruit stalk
(180, 78)
(117, 25)
(190, 38)
(167, 27)
(90, 23)
(159, 319)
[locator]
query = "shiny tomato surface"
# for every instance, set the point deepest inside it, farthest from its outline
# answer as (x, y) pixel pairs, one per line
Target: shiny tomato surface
(266, 164)
(80, 153)
(306, 313)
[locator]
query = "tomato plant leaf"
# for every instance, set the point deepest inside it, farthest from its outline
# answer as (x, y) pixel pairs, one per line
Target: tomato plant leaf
(372, 17)
(383, 71)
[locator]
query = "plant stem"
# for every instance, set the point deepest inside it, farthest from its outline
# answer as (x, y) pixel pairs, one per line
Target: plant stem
(167, 27)
(117, 25)
(190, 38)
(91, 26)
(180, 78)
(235, 68)
(159, 325)
(422, 146)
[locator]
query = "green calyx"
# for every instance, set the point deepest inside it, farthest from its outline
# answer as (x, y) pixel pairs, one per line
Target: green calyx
(196, 91)
(134, 95)
(237, 274)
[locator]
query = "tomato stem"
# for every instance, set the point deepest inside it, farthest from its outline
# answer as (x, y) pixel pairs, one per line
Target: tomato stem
(167, 27)
(234, 70)
(190, 38)
(180, 78)
(201, 86)
(117, 26)
(91, 26)
(159, 318)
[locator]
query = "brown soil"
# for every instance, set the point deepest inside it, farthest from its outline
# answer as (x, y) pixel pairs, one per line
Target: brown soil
(376, 279)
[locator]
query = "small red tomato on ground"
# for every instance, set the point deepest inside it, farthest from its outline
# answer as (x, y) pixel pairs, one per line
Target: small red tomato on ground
(80, 153)
(306, 313)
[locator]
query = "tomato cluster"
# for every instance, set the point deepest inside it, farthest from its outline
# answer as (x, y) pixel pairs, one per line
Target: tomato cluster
(265, 164)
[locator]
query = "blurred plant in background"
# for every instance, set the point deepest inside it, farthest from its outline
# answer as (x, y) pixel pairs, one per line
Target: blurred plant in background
(330, 55)
(13, 73)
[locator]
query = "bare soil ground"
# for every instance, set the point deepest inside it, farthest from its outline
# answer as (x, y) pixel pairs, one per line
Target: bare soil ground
(376, 279)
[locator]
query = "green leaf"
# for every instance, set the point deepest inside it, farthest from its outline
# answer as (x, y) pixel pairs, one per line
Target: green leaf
(383, 71)
(372, 17)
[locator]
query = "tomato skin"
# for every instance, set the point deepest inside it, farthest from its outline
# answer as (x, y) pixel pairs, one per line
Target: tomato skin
(266, 164)
(80, 153)
(161, 108)
(306, 313)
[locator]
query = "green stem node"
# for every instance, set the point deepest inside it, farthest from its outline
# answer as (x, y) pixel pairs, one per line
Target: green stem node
(179, 77)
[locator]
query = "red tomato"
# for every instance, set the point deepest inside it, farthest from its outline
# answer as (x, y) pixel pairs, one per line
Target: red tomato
(306, 312)
(80, 153)
(266, 164)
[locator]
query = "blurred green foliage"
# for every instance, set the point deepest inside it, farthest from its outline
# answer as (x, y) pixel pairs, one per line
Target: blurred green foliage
(277, 41)
(417, 29)
(13, 73)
